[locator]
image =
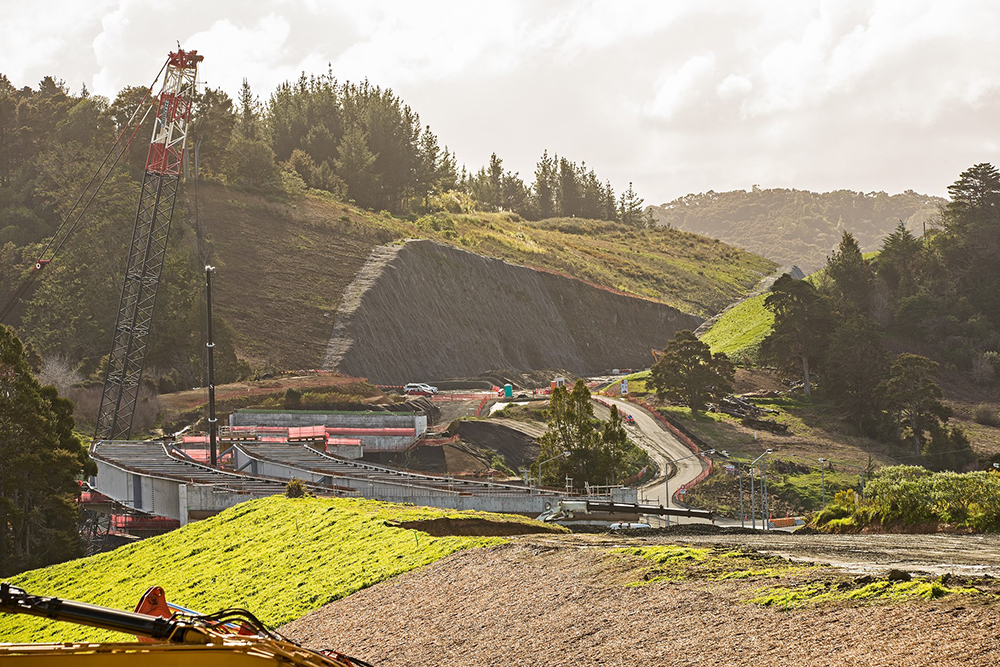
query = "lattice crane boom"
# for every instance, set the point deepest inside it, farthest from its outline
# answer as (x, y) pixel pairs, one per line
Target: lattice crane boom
(148, 247)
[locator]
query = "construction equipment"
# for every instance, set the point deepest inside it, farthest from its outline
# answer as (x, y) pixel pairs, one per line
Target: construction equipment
(148, 248)
(179, 638)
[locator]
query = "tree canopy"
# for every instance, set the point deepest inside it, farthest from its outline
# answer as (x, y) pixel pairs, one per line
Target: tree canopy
(40, 460)
(599, 452)
(802, 321)
(688, 372)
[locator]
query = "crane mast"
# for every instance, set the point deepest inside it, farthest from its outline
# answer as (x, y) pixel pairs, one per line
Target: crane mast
(148, 248)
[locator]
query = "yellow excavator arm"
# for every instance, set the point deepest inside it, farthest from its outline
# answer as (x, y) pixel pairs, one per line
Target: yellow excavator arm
(233, 637)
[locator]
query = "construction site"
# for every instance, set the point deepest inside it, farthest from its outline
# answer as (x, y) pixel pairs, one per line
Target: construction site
(426, 502)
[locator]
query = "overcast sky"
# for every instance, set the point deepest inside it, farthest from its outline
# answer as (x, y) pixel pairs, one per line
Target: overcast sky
(677, 97)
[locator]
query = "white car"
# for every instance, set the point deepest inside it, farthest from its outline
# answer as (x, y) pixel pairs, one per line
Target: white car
(419, 389)
(626, 525)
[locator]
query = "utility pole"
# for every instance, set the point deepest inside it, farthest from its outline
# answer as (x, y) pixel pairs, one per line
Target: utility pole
(212, 429)
(743, 516)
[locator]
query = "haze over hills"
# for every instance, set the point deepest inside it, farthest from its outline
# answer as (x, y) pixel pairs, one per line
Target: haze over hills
(797, 226)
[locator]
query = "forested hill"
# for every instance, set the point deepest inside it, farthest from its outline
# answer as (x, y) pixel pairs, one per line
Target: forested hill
(797, 226)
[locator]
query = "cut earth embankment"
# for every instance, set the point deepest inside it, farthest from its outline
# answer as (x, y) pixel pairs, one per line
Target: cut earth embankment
(426, 310)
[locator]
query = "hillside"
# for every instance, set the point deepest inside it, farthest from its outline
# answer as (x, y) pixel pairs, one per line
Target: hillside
(797, 226)
(429, 310)
(284, 264)
(277, 556)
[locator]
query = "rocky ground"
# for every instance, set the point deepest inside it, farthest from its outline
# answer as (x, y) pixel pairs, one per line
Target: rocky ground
(571, 600)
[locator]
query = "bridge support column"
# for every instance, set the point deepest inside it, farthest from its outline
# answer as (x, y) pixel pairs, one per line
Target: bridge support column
(182, 503)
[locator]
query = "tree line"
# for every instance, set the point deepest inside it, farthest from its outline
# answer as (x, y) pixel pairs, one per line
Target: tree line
(796, 226)
(939, 293)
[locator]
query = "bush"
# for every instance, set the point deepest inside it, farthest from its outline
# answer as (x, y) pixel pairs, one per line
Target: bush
(982, 370)
(986, 414)
(296, 488)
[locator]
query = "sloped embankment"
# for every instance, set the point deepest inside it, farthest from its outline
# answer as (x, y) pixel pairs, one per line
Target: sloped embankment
(426, 310)
(278, 557)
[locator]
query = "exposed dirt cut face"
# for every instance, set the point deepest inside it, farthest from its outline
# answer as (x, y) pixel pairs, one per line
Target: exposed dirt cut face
(476, 528)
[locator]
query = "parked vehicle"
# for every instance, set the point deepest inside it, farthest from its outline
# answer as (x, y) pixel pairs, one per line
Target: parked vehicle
(419, 389)
(627, 525)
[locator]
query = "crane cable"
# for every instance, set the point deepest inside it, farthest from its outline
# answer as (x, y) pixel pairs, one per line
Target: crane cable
(42, 260)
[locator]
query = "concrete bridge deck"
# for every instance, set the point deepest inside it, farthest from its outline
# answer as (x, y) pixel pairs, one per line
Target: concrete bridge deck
(154, 478)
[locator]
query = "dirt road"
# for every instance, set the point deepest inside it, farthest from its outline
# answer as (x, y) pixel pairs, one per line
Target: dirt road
(662, 447)
(966, 555)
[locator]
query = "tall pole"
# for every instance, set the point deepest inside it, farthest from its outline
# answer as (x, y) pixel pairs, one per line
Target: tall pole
(209, 270)
(743, 516)
(753, 503)
(765, 501)
(666, 487)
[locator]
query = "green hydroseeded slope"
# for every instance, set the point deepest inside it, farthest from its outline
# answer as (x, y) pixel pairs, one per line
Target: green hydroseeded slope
(277, 557)
(741, 327)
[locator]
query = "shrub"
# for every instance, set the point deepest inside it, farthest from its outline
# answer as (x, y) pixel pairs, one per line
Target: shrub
(296, 488)
(986, 414)
(982, 370)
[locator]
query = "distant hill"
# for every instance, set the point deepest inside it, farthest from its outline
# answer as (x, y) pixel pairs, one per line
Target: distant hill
(796, 226)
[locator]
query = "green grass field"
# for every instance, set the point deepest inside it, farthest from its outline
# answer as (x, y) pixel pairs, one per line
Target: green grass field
(278, 557)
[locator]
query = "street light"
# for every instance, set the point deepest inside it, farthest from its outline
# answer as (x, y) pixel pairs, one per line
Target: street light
(822, 481)
(666, 476)
(566, 454)
(753, 505)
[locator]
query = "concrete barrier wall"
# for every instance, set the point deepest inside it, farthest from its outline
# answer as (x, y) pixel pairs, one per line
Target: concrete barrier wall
(344, 419)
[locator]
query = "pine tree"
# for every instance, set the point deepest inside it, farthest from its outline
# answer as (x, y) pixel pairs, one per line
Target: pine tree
(688, 372)
(630, 208)
(543, 192)
(40, 460)
(802, 319)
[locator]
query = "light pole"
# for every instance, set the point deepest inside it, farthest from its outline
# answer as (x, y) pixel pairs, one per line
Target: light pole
(753, 507)
(566, 454)
(666, 476)
(822, 480)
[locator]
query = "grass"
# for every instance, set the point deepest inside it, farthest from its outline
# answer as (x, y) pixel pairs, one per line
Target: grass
(278, 557)
(741, 328)
(672, 563)
(818, 592)
(678, 563)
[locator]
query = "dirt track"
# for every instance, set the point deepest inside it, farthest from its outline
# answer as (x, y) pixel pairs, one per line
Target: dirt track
(969, 555)
(568, 601)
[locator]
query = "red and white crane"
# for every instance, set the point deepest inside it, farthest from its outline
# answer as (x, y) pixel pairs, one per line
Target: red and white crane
(148, 248)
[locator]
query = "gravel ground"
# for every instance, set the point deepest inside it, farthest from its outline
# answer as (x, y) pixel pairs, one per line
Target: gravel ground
(565, 601)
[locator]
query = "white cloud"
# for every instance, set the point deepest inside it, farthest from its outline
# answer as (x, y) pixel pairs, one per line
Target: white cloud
(675, 96)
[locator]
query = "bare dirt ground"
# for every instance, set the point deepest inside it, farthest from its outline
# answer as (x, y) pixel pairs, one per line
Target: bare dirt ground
(570, 600)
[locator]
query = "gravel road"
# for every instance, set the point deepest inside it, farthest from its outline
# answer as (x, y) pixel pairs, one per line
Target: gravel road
(662, 446)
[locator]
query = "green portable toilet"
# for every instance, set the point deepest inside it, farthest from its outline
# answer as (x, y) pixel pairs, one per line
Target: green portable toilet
(508, 390)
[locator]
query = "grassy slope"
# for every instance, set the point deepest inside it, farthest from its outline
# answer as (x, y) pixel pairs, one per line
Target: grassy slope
(278, 557)
(284, 264)
(740, 328)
